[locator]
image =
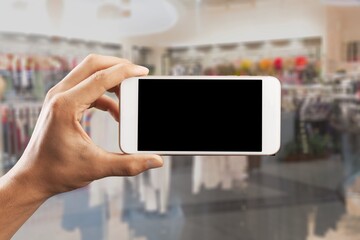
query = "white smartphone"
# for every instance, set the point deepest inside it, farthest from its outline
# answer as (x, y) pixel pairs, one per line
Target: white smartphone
(200, 115)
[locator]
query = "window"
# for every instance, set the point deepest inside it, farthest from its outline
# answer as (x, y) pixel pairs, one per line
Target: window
(353, 51)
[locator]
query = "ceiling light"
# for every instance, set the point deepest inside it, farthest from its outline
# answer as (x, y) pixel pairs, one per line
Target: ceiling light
(114, 9)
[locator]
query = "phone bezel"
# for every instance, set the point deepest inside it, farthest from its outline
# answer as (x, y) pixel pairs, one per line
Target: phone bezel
(270, 121)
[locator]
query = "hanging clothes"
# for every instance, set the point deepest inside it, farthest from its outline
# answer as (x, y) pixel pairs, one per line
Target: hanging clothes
(16, 129)
(148, 206)
(218, 171)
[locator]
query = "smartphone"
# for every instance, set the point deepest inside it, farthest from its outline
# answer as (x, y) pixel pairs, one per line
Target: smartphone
(200, 115)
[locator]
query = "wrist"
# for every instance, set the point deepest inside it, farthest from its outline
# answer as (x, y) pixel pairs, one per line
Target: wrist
(21, 182)
(18, 201)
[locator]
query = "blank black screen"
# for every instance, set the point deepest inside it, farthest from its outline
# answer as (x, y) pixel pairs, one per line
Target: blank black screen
(200, 115)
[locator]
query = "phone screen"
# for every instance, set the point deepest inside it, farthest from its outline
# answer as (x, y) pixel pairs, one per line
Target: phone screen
(200, 115)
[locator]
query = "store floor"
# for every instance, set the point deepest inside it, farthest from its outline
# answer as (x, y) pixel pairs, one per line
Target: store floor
(281, 201)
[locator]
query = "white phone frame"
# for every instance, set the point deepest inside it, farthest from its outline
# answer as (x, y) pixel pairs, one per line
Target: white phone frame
(271, 115)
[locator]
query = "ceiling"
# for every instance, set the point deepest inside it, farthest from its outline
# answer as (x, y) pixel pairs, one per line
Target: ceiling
(113, 20)
(217, 2)
(89, 19)
(224, 3)
(342, 2)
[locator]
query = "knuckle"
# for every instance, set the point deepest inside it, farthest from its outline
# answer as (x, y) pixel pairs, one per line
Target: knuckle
(124, 70)
(132, 169)
(57, 102)
(91, 59)
(99, 76)
(51, 93)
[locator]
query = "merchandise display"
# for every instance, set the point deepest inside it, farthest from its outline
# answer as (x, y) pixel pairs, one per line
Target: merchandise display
(312, 106)
(17, 124)
(29, 74)
(290, 67)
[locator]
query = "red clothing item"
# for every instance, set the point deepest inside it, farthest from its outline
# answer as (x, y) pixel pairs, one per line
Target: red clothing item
(301, 62)
(278, 64)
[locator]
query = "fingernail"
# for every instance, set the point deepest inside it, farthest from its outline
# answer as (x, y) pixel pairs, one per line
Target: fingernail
(153, 163)
(141, 69)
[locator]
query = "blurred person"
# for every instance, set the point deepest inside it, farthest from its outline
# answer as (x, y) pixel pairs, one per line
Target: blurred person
(60, 156)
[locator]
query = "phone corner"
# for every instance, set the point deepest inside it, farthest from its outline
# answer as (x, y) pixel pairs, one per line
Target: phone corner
(275, 150)
(276, 80)
(120, 148)
(124, 150)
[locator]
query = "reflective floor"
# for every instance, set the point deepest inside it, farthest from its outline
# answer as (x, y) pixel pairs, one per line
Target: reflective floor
(303, 200)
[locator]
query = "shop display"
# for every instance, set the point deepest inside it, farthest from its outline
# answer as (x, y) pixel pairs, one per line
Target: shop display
(291, 68)
(313, 134)
(17, 124)
(29, 77)
(33, 67)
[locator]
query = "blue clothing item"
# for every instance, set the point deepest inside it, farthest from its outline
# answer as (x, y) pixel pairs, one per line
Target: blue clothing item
(351, 153)
(91, 221)
(152, 225)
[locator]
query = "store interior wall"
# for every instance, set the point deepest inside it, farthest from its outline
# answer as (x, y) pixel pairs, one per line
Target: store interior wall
(342, 27)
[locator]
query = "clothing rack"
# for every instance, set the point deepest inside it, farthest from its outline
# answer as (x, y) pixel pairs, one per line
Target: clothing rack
(18, 121)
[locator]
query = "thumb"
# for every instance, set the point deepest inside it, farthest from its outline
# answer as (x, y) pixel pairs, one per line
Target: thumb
(116, 164)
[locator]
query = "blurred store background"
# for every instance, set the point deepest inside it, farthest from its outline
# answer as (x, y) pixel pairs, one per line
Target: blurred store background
(309, 191)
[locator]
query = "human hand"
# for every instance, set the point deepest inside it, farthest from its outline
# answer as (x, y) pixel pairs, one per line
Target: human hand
(60, 155)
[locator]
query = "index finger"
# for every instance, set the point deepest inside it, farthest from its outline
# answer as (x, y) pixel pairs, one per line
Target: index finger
(89, 90)
(91, 64)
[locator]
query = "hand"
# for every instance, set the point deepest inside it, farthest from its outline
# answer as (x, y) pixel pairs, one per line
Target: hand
(60, 156)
